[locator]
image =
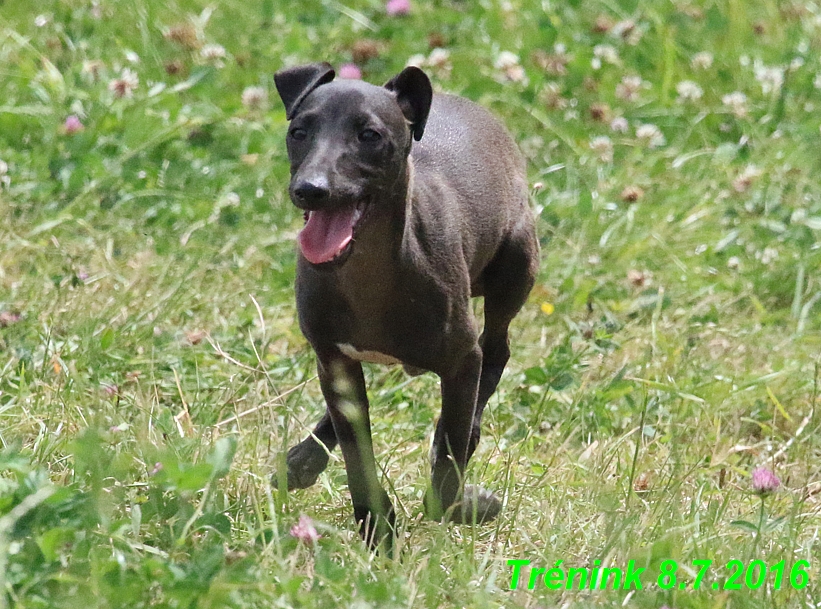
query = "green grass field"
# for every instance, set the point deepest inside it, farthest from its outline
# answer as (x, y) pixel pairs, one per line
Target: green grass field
(152, 373)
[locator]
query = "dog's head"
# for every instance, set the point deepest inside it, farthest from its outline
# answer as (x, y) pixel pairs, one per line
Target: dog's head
(348, 144)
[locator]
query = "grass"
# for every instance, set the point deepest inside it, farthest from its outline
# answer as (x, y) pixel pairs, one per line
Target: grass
(152, 373)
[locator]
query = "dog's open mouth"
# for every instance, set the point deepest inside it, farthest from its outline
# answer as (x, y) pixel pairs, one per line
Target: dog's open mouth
(329, 233)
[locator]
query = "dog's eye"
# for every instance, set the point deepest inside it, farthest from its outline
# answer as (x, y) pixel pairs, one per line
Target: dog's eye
(369, 135)
(298, 133)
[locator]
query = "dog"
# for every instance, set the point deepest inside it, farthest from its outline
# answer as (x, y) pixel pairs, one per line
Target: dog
(400, 232)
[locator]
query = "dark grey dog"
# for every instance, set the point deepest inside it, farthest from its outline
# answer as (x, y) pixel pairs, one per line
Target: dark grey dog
(398, 236)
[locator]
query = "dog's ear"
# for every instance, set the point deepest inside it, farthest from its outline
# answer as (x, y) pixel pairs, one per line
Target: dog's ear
(414, 95)
(294, 84)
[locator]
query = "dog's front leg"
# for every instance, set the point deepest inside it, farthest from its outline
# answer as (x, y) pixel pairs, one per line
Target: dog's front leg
(309, 458)
(452, 449)
(343, 386)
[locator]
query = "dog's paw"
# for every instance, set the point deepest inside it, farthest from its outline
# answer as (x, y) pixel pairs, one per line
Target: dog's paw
(305, 462)
(477, 505)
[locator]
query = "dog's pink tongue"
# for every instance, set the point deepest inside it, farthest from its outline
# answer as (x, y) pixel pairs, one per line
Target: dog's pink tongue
(326, 233)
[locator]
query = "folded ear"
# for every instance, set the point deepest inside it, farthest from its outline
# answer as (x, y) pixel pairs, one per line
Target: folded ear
(414, 95)
(294, 84)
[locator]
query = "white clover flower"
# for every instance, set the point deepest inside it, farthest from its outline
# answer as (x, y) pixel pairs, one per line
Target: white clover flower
(629, 88)
(254, 98)
(438, 58)
(769, 255)
(771, 78)
(743, 182)
(41, 20)
(733, 262)
(619, 124)
(506, 60)
(736, 102)
(214, 54)
(606, 53)
(689, 91)
(516, 74)
(628, 31)
(5, 180)
(124, 85)
(603, 147)
(508, 64)
(702, 61)
(439, 62)
(650, 135)
(551, 96)
(532, 146)
(417, 61)
(92, 68)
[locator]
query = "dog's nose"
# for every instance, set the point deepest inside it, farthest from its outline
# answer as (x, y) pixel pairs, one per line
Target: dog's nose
(312, 191)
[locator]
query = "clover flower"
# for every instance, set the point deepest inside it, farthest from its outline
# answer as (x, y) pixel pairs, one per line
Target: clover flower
(92, 68)
(73, 125)
(689, 91)
(650, 135)
(254, 98)
(771, 78)
(603, 147)
(600, 112)
(628, 31)
(604, 53)
(555, 64)
(631, 194)
(397, 7)
(764, 481)
(185, 35)
(551, 96)
(9, 317)
(124, 85)
(350, 71)
(213, 54)
(508, 64)
(736, 102)
(629, 88)
(365, 49)
(305, 531)
(619, 124)
(744, 180)
(769, 255)
(438, 61)
(702, 61)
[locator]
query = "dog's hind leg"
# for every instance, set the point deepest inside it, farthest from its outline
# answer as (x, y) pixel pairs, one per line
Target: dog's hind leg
(507, 281)
(309, 458)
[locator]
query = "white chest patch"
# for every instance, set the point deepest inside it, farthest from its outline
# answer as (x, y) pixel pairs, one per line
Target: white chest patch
(373, 357)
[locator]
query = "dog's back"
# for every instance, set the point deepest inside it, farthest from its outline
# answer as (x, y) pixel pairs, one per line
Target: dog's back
(469, 153)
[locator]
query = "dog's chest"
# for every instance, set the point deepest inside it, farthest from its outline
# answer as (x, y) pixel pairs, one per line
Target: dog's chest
(373, 357)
